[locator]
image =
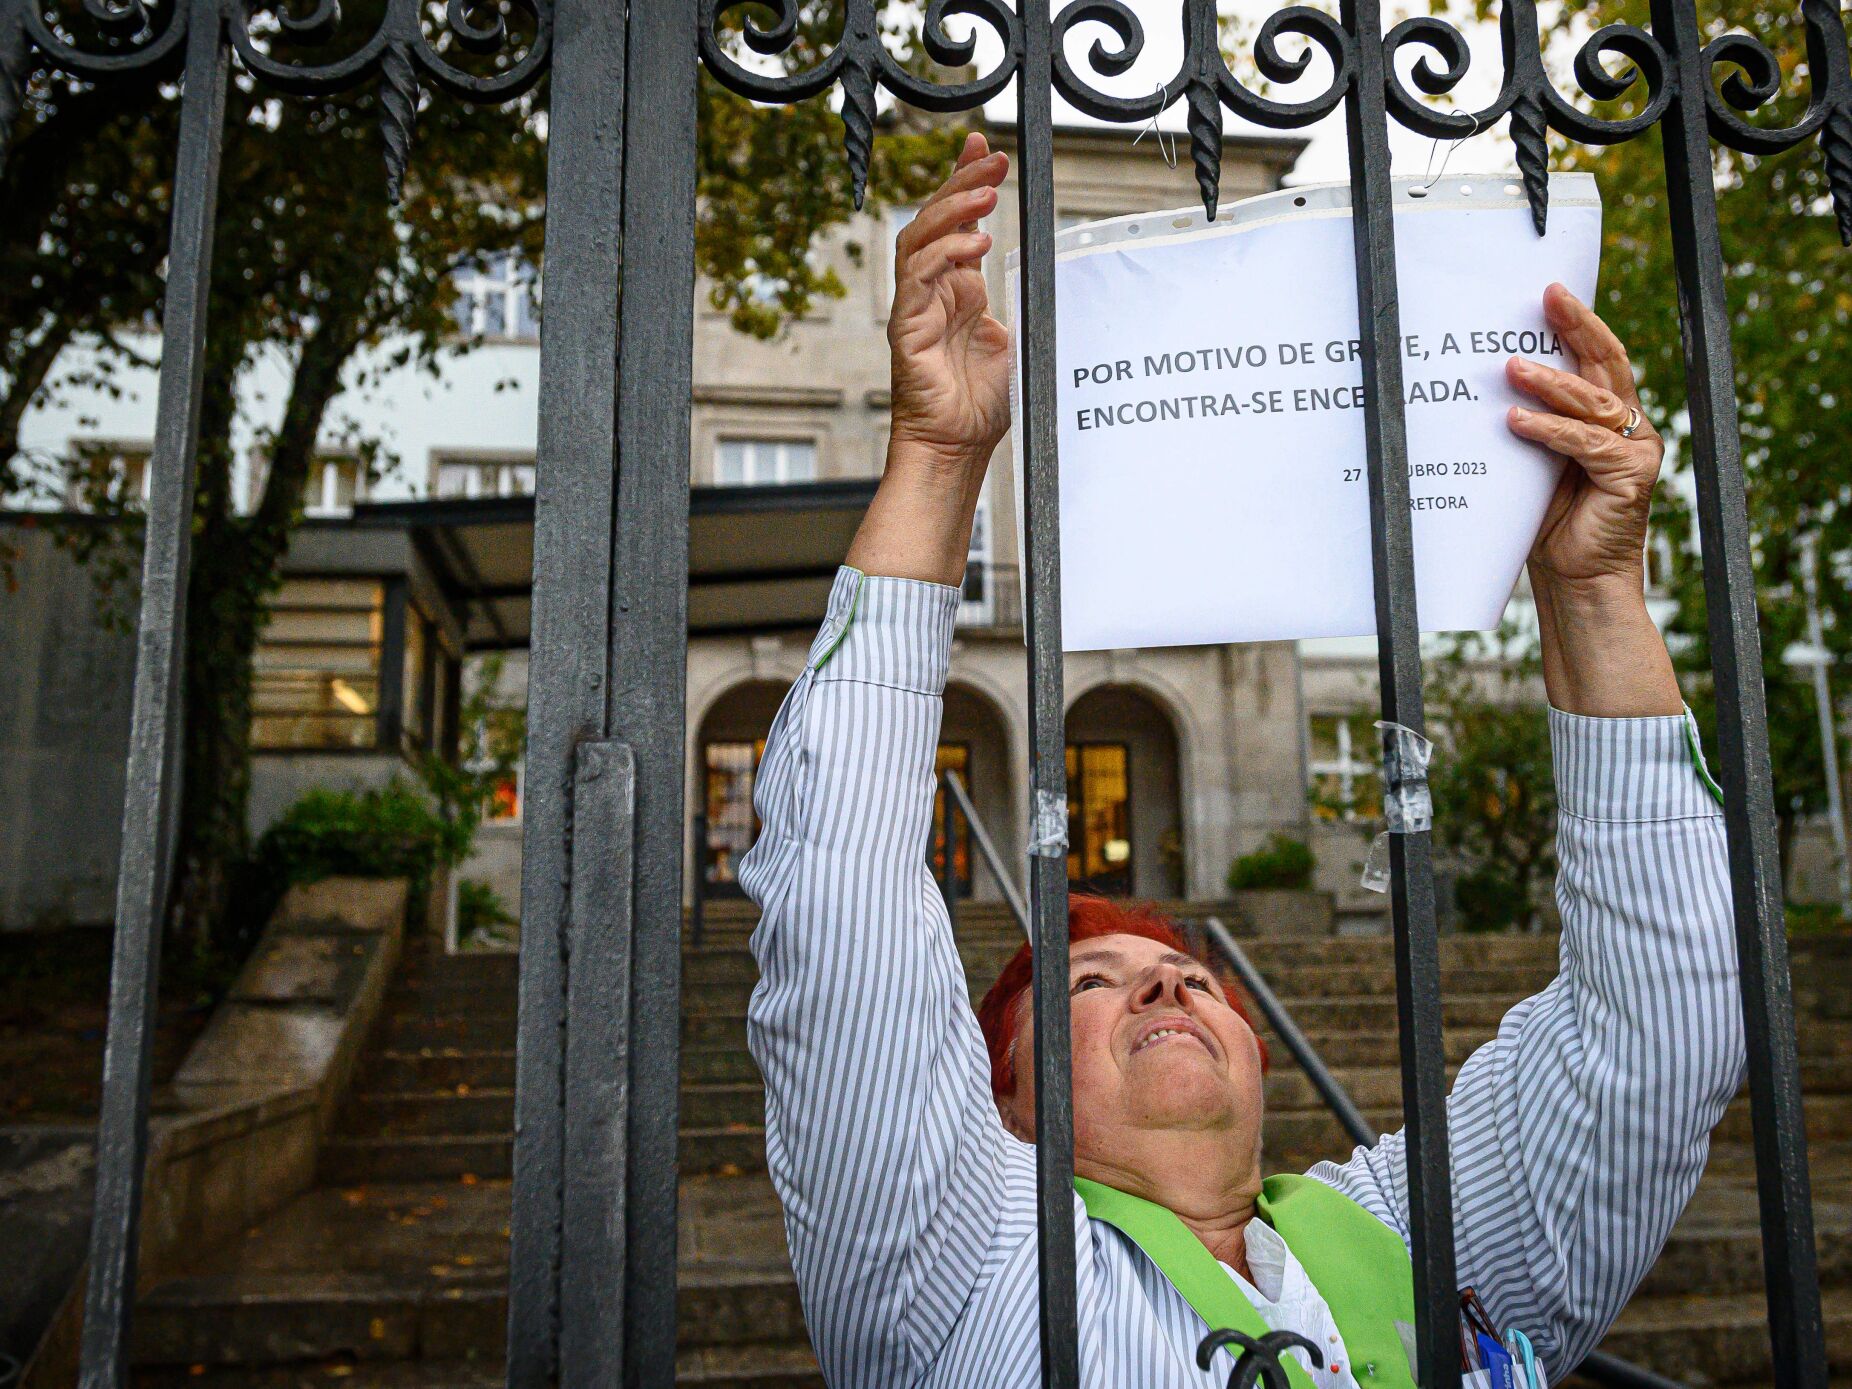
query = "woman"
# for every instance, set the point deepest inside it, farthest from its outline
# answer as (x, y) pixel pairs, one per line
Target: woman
(899, 1131)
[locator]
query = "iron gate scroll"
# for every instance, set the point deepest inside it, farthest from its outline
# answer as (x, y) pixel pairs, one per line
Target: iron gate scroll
(595, 1161)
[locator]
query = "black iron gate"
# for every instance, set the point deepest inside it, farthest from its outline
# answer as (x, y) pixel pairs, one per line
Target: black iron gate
(592, 1299)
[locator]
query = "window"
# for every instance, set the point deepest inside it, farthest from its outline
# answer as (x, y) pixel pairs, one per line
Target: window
(763, 462)
(954, 757)
(1343, 767)
(495, 298)
(316, 671)
(976, 605)
(468, 477)
(107, 477)
(332, 487)
(1099, 816)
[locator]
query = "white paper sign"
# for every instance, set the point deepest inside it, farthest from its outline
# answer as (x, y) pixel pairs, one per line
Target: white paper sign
(1211, 410)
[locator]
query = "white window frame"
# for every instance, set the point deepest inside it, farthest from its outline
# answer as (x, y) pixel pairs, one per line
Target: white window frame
(487, 477)
(501, 275)
(777, 451)
(117, 454)
(1345, 766)
(327, 496)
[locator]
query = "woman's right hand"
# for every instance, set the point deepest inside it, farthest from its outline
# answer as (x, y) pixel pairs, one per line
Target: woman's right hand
(951, 383)
(951, 358)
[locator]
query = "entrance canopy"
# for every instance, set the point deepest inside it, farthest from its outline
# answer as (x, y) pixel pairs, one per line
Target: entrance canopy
(760, 559)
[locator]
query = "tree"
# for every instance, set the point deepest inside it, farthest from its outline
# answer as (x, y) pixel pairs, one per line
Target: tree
(1491, 778)
(315, 266)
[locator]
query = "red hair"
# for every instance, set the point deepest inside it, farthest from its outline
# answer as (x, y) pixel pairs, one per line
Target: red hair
(1088, 918)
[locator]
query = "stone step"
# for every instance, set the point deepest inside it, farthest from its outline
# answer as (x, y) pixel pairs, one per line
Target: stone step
(428, 1157)
(486, 1113)
(396, 1114)
(1718, 1338)
(791, 1366)
(478, 1156)
(438, 1069)
(275, 1318)
(445, 1068)
(1707, 1258)
(338, 1373)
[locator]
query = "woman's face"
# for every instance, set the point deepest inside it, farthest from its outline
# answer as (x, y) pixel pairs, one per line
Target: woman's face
(1157, 1050)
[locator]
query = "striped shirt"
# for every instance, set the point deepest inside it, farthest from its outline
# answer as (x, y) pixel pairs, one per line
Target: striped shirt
(1578, 1133)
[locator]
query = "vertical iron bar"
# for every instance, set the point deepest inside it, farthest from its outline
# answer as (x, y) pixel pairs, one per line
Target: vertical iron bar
(1795, 1327)
(1054, 1101)
(154, 771)
(648, 654)
(592, 1263)
(1398, 647)
(574, 491)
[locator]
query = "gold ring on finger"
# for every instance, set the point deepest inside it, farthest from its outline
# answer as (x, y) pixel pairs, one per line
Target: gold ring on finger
(1634, 420)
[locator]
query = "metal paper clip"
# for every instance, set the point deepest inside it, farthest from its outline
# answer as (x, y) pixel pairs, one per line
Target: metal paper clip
(1170, 154)
(1421, 191)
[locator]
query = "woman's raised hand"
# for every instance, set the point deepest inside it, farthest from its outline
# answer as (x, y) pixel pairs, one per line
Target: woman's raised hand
(1602, 653)
(951, 383)
(1594, 532)
(951, 358)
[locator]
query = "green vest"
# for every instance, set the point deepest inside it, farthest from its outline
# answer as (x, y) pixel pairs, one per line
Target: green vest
(1358, 1264)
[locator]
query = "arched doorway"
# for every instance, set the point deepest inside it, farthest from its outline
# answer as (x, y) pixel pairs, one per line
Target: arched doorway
(974, 741)
(731, 742)
(1125, 822)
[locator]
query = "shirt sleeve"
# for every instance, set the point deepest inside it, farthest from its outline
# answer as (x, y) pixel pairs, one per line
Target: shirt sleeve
(1580, 1131)
(881, 1135)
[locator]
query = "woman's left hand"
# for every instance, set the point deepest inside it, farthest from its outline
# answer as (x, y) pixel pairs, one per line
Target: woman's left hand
(1602, 652)
(1594, 532)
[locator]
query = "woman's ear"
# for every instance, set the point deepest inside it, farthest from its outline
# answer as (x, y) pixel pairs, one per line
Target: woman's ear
(1008, 1111)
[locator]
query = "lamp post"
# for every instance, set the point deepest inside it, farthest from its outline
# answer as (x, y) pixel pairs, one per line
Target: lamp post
(1819, 658)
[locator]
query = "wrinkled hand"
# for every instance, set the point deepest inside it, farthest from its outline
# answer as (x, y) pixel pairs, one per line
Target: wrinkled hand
(1602, 652)
(1594, 531)
(951, 358)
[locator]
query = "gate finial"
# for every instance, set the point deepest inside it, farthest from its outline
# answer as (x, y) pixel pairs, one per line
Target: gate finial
(1530, 132)
(398, 109)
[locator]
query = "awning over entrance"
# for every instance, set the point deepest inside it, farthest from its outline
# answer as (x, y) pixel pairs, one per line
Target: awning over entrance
(760, 559)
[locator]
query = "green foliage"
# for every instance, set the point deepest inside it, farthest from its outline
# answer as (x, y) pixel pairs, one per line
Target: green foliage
(484, 921)
(1492, 779)
(1284, 863)
(394, 831)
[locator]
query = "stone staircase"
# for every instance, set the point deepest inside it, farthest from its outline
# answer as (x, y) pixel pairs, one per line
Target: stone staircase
(391, 1272)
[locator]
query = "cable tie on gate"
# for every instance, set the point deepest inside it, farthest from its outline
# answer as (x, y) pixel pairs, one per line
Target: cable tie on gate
(1408, 805)
(1048, 826)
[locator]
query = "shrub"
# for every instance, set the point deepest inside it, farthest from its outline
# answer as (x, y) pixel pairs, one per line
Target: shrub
(1285, 862)
(393, 831)
(483, 918)
(1491, 899)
